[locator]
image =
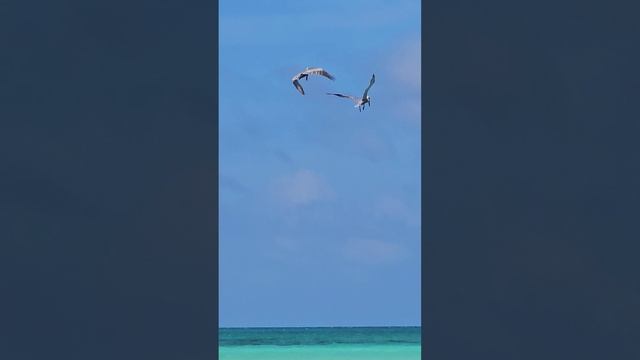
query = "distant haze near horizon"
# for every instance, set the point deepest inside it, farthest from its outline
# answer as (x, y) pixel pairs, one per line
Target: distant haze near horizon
(317, 327)
(319, 203)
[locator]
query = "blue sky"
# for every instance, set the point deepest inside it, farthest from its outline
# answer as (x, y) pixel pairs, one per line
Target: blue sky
(319, 203)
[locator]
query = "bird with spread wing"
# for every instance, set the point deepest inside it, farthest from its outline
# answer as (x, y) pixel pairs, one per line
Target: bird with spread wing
(360, 101)
(305, 75)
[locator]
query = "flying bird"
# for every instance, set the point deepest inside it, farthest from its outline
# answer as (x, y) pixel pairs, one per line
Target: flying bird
(305, 74)
(360, 101)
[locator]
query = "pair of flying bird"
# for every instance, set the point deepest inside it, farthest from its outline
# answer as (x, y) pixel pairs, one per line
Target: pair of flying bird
(359, 101)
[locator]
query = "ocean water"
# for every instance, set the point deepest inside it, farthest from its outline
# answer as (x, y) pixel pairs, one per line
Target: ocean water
(335, 343)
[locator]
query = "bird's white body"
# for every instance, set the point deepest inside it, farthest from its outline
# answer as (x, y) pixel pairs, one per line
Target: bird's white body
(363, 102)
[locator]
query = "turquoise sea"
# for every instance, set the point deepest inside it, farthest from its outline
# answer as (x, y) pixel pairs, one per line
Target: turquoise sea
(322, 343)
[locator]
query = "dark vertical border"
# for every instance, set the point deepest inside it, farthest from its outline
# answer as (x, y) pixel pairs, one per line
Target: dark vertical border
(530, 180)
(108, 179)
(423, 167)
(216, 179)
(217, 187)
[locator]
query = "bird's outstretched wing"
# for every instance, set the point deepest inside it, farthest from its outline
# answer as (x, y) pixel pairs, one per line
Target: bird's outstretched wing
(309, 71)
(373, 80)
(353, 98)
(296, 83)
(318, 71)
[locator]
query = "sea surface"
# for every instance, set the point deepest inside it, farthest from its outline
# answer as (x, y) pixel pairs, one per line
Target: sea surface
(335, 343)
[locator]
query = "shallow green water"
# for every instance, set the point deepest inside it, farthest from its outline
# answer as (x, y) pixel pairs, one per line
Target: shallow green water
(397, 343)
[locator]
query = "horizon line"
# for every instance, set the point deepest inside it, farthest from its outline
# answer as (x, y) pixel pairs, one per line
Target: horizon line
(316, 327)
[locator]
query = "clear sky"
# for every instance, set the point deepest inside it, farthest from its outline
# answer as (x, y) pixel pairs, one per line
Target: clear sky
(319, 203)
